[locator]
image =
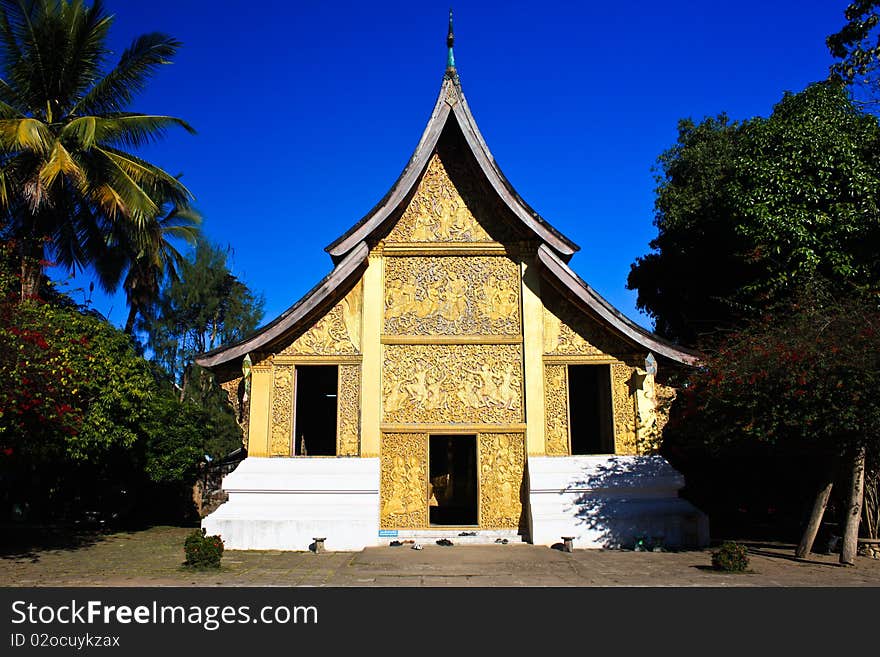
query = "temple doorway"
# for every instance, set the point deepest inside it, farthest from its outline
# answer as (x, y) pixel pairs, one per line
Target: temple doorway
(589, 403)
(315, 411)
(452, 490)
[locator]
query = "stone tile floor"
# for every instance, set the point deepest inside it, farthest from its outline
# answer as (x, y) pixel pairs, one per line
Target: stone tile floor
(153, 557)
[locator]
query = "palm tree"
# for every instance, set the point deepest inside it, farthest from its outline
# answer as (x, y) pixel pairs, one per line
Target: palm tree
(142, 260)
(67, 181)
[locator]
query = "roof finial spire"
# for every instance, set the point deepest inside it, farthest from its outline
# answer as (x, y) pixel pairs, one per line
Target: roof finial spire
(450, 39)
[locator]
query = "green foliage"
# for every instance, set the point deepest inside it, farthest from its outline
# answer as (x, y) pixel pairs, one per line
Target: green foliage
(748, 212)
(85, 422)
(731, 557)
(206, 306)
(202, 551)
(67, 181)
(857, 47)
(805, 378)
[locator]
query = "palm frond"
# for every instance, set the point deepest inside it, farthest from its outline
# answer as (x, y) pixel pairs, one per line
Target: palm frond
(161, 184)
(25, 134)
(61, 163)
(137, 64)
(125, 130)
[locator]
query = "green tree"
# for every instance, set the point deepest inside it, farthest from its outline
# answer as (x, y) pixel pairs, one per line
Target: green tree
(85, 421)
(143, 260)
(66, 176)
(857, 47)
(207, 306)
(747, 212)
(802, 379)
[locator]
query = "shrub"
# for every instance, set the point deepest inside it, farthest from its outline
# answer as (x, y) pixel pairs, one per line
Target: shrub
(731, 557)
(203, 551)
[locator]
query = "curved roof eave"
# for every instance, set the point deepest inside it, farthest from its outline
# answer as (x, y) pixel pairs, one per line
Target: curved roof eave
(451, 100)
(562, 275)
(352, 264)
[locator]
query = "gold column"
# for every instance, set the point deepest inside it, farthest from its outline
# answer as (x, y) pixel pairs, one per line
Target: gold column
(533, 348)
(258, 429)
(371, 348)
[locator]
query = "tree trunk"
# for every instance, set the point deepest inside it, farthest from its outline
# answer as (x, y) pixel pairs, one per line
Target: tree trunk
(854, 510)
(819, 505)
(129, 324)
(31, 267)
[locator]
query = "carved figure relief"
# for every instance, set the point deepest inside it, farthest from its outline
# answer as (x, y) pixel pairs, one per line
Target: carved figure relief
(337, 333)
(567, 331)
(452, 383)
(452, 296)
(282, 411)
(443, 211)
(556, 410)
(404, 481)
(348, 411)
(502, 462)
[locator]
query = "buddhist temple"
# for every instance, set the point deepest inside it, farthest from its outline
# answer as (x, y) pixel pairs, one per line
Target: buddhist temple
(451, 377)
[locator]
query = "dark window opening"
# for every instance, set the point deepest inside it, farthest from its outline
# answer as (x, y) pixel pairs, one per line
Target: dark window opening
(453, 480)
(314, 429)
(589, 409)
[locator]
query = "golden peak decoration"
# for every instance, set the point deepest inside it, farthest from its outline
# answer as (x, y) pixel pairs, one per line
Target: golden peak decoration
(569, 332)
(439, 212)
(336, 334)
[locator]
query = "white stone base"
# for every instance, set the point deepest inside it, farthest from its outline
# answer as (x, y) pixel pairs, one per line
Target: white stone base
(285, 503)
(610, 502)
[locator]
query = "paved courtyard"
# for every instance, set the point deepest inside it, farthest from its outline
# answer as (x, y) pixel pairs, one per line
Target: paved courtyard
(153, 557)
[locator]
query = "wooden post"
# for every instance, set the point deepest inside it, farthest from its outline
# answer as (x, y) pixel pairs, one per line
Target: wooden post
(819, 505)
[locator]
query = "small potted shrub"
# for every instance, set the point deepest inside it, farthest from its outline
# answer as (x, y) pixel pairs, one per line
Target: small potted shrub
(203, 551)
(731, 558)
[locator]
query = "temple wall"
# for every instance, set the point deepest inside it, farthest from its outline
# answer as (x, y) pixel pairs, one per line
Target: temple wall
(332, 339)
(572, 338)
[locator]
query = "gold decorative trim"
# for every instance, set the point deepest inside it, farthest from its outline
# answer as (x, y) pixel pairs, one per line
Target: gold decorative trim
(501, 460)
(348, 411)
(440, 429)
(449, 248)
(556, 412)
(283, 396)
(452, 339)
(403, 488)
(318, 360)
(598, 359)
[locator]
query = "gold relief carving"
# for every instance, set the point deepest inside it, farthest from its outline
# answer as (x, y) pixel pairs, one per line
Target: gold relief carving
(556, 410)
(452, 296)
(568, 331)
(502, 461)
(282, 411)
(348, 411)
(404, 481)
(624, 409)
(240, 404)
(337, 333)
(443, 211)
(452, 383)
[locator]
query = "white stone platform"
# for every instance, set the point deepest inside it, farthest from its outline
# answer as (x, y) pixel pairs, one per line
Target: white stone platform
(284, 503)
(610, 502)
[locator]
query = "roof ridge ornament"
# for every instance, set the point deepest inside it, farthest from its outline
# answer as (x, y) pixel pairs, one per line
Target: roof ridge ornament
(450, 57)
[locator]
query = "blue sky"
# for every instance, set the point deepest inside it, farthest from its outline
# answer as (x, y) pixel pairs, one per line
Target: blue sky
(307, 112)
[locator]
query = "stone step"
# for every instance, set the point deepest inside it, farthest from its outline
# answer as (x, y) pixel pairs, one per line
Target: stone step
(431, 536)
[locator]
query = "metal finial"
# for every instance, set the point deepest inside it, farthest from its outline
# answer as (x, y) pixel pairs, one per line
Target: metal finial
(450, 39)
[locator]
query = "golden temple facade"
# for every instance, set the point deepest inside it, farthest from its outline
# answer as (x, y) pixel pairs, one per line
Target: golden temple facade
(453, 343)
